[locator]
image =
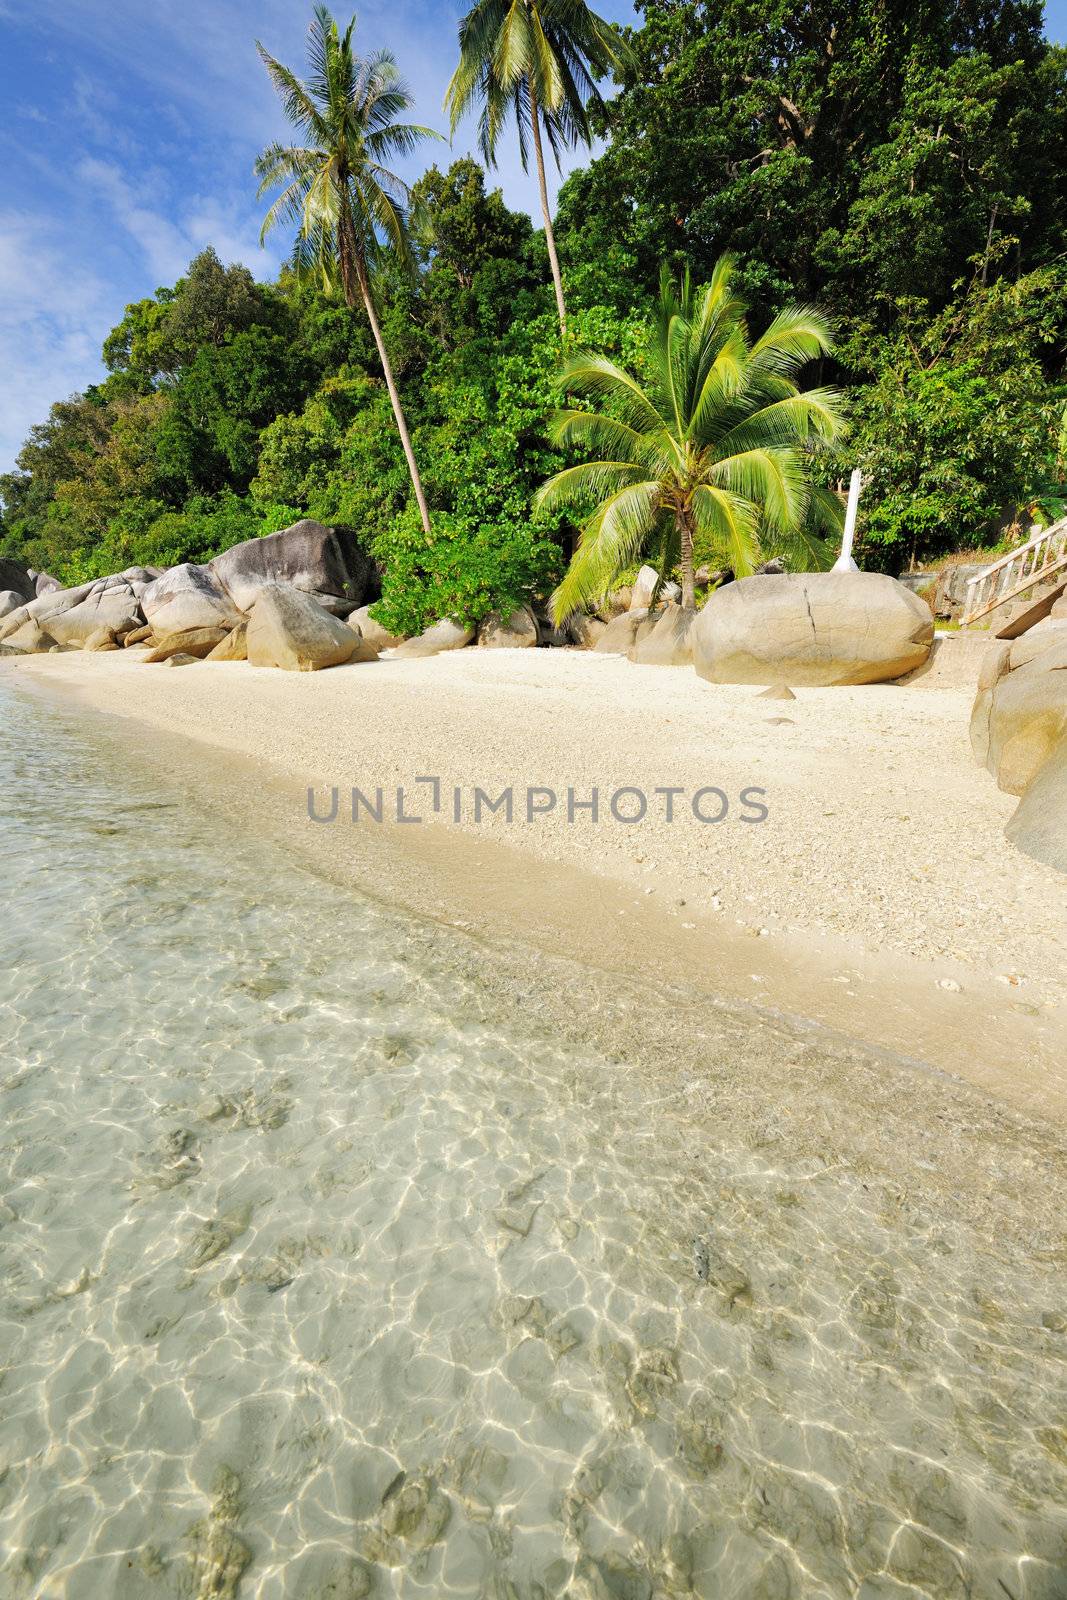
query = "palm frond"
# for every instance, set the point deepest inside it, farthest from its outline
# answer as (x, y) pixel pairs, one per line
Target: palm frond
(582, 485)
(730, 523)
(610, 540)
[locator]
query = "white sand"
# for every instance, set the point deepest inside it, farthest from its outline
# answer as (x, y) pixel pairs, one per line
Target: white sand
(882, 853)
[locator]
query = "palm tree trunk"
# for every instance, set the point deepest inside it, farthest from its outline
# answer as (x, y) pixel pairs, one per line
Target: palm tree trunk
(394, 393)
(550, 232)
(685, 543)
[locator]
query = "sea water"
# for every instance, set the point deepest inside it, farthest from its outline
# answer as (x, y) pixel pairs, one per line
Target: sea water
(316, 1280)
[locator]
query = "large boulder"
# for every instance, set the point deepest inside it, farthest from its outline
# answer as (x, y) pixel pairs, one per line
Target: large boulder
(14, 576)
(371, 632)
(669, 644)
(1018, 724)
(289, 629)
(1039, 825)
(187, 597)
(10, 601)
(116, 608)
(102, 639)
(516, 632)
(620, 634)
(198, 642)
(44, 583)
(234, 647)
(812, 628)
(442, 636)
(30, 638)
(1036, 640)
(585, 632)
(328, 563)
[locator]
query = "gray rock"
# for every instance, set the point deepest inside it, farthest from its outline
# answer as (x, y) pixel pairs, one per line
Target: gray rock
(1039, 825)
(517, 632)
(816, 628)
(620, 634)
(289, 629)
(186, 597)
(44, 583)
(10, 601)
(1017, 725)
(198, 642)
(115, 608)
(585, 632)
(1035, 641)
(442, 636)
(372, 633)
(30, 638)
(328, 563)
(234, 647)
(643, 589)
(102, 639)
(14, 576)
(668, 644)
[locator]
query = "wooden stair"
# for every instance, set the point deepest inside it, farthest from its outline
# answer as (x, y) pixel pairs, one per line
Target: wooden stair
(1023, 585)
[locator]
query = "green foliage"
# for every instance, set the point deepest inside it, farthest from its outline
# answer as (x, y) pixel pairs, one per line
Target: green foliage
(468, 568)
(899, 164)
(957, 429)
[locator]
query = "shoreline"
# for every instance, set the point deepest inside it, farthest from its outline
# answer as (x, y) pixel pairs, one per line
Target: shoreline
(608, 895)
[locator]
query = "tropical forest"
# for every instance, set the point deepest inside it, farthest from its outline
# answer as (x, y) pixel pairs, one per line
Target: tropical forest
(860, 208)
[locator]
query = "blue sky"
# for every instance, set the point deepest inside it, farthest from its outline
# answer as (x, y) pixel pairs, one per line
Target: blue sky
(127, 133)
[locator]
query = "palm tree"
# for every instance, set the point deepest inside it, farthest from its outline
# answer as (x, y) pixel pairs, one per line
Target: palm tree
(343, 199)
(541, 59)
(717, 443)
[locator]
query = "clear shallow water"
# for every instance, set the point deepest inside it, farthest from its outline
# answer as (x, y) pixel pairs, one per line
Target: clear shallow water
(314, 1282)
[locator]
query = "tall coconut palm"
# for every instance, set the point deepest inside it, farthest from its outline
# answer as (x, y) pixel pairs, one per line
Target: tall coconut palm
(716, 443)
(540, 59)
(343, 199)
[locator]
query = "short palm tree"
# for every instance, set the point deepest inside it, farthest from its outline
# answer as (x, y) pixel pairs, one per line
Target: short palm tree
(343, 199)
(717, 443)
(540, 59)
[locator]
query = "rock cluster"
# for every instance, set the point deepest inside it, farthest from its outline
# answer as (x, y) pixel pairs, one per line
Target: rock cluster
(1019, 731)
(278, 601)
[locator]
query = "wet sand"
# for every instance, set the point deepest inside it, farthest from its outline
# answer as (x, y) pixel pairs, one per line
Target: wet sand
(879, 897)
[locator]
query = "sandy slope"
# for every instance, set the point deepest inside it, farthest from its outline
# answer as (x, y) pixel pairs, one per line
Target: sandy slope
(878, 895)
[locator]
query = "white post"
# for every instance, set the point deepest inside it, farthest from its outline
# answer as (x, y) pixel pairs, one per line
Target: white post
(844, 562)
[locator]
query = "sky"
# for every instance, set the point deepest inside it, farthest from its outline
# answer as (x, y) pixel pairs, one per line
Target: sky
(128, 129)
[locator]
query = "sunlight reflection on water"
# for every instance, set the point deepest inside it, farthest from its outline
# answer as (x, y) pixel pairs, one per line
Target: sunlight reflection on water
(314, 1283)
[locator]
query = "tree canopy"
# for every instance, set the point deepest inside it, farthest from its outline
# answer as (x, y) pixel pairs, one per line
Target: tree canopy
(898, 166)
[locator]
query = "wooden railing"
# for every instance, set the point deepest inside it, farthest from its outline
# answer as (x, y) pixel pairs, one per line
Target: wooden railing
(1042, 557)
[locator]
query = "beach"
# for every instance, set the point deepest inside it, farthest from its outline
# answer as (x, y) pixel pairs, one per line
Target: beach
(877, 896)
